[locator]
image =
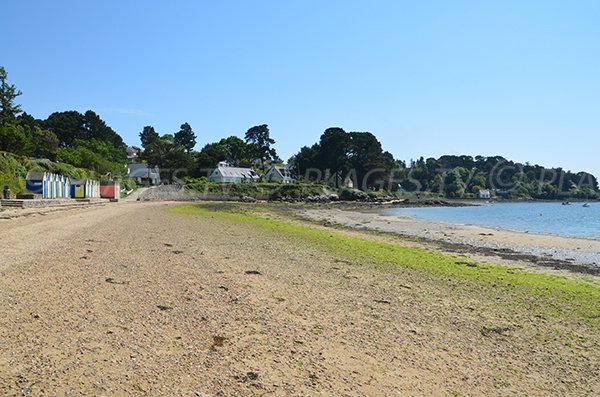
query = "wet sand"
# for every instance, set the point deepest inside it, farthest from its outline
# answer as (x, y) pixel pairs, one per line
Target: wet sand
(545, 250)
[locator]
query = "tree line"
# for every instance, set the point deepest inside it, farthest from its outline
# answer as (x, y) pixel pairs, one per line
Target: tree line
(173, 154)
(465, 176)
(81, 139)
(338, 159)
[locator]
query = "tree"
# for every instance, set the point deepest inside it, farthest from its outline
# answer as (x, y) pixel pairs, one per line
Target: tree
(304, 162)
(72, 125)
(260, 142)
(68, 126)
(334, 147)
(166, 154)
(13, 139)
(8, 93)
(208, 158)
(96, 128)
(370, 163)
(148, 136)
(43, 143)
(340, 154)
(186, 137)
(232, 149)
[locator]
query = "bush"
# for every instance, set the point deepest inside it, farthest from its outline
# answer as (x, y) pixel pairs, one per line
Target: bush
(348, 194)
(128, 184)
(12, 173)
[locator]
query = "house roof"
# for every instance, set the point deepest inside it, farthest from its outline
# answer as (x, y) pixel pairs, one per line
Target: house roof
(141, 171)
(35, 176)
(282, 170)
(237, 172)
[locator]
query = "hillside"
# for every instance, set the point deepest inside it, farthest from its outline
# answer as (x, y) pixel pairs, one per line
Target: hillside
(14, 168)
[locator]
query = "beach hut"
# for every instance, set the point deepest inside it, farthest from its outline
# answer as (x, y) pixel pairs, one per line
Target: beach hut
(48, 185)
(66, 187)
(36, 183)
(110, 190)
(51, 185)
(45, 184)
(93, 189)
(78, 188)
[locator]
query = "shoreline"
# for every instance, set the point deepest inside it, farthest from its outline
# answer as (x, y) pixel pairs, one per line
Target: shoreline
(581, 255)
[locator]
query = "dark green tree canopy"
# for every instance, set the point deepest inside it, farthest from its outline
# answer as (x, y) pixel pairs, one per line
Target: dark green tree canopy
(8, 93)
(464, 176)
(260, 144)
(340, 154)
(232, 149)
(186, 137)
(71, 125)
(148, 136)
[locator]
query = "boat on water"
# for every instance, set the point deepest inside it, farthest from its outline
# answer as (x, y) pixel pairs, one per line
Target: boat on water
(586, 205)
(566, 203)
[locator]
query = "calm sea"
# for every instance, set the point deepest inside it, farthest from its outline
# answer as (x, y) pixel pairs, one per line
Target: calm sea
(550, 218)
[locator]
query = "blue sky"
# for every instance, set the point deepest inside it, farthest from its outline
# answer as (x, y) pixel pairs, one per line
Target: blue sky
(514, 78)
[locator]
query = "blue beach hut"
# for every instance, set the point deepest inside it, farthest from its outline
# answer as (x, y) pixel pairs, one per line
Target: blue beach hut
(38, 183)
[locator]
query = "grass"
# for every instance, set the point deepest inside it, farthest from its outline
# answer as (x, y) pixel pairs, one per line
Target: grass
(13, 170)
(550, 295)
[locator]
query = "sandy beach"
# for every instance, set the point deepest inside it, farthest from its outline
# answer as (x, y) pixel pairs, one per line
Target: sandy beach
(131, 299)
(580, 254)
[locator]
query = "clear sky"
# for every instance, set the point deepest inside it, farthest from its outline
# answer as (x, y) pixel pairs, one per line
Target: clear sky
(514, 78)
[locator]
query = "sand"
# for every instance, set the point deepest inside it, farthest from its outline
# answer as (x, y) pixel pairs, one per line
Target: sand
(131, 300)
(555, 250)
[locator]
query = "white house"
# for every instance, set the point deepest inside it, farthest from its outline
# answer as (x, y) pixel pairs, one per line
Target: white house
(278, 173)
(225, 173)
(484, 194)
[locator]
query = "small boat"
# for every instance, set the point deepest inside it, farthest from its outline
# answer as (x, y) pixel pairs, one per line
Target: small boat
(586, 205)
(566, 203)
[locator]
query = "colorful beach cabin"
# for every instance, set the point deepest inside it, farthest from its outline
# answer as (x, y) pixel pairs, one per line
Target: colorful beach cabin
(85, 188)
(48, 185)
(37, 183)
(61, 186)
(92, 189)
(110, 190)
(78, 188)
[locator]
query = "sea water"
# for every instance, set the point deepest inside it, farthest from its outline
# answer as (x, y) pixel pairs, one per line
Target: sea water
(572, 220)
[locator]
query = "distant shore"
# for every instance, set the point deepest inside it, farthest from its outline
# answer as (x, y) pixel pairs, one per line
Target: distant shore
(567, 253)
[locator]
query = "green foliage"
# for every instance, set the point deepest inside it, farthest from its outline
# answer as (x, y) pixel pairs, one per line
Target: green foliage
(260, 144)
(44, 143)
(99, 156)
(464, 176)
(128, 184)
(82, 140)
(44, 165)
(12, 172)
(8, 93)
(148, 136)
(186, 137)
(232, 149)
(340, 155)
(347, 194)
(267, 191)
(13, 139)
(166, 153)
(71, 126)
